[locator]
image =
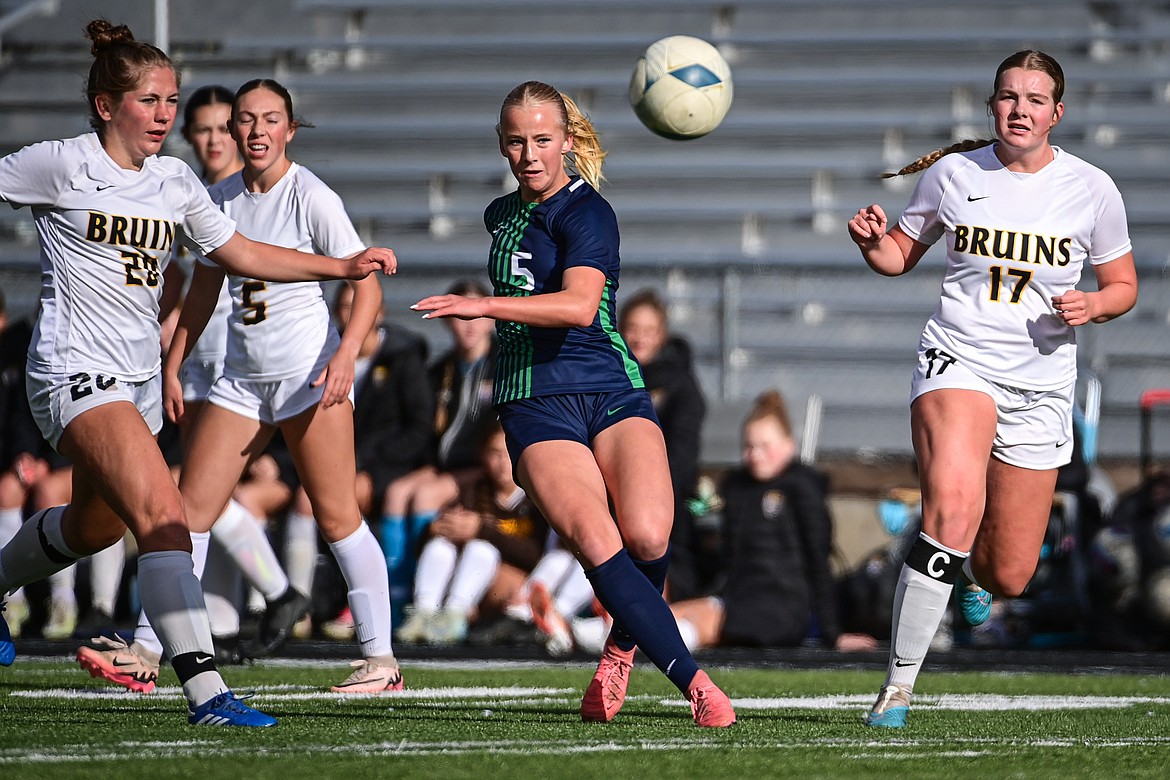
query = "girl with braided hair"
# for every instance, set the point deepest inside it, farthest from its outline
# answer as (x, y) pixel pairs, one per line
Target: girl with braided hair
(579, 424)
(992, 395)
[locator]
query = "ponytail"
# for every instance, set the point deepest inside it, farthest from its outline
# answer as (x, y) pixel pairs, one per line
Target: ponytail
(927, 160)
(587, 154)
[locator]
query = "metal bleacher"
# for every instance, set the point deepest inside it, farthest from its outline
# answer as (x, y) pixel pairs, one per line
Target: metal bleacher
(743, 230)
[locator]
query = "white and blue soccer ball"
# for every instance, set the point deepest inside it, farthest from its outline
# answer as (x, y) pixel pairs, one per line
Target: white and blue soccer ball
(681, 87)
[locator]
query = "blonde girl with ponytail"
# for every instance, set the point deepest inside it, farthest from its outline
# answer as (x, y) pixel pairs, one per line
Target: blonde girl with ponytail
(578, 421)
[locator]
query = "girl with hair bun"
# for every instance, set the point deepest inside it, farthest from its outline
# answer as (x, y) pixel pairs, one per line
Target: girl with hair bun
(106, 209)
(579, 424)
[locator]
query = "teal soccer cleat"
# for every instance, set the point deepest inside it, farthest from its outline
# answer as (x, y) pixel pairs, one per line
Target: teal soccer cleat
(974, 602)
(891, 708)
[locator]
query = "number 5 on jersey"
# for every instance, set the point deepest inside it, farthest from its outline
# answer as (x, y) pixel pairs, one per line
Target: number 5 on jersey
(257, 310)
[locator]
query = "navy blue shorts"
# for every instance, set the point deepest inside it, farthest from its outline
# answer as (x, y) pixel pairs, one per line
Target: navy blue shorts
(575, 417)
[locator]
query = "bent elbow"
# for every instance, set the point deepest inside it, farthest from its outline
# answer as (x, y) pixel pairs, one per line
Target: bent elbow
(584, 319)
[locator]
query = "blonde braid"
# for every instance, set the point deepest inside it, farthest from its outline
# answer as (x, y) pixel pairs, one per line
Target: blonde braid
(927, 160)
(587, 154)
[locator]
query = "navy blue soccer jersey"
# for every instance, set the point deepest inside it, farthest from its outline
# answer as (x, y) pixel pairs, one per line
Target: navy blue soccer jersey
(532, 246)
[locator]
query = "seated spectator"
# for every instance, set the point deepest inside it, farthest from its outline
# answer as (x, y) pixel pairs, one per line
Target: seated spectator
(461, 383)
(490, 539)
(668, 370)
(776, 589)
(549, 606)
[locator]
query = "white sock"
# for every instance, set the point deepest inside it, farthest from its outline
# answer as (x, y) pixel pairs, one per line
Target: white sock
(145, 635)
(24, 559)
(362, 564)
(436, 565)
(62, 585)
(242, 536)
(105, 575)
(919, 603)
(256, 601)
(552, 568)
(473, 575)
(574, 593)
(301, 551)
(10, 520)
(222, 591)
(689, 634)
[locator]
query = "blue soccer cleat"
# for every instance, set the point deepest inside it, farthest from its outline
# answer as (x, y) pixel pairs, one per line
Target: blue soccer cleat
(891, 708)
(974, 602)
(7, 648)
(227, 709)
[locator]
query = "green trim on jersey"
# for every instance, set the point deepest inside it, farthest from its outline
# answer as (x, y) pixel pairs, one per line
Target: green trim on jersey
(608, 304)
(514, 372)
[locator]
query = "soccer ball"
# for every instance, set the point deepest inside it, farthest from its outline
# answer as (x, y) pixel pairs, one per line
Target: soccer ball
(681, 88)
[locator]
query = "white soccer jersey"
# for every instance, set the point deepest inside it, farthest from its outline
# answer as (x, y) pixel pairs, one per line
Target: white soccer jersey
(1013, 241)
(280, 330)
(105, 232)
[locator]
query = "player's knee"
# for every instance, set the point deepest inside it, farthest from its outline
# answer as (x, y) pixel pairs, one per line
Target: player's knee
(162, 525)
(1009, 583)
(648, 544)
(951, 521)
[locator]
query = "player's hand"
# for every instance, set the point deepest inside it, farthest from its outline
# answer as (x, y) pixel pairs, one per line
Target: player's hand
(456, 306)
(172, 392)
(1073, 307)
(337, 377)
(372, 259)
(867, 228)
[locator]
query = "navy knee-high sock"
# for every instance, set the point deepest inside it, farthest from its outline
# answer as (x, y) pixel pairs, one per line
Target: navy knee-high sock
(628, 595)
(655, 571)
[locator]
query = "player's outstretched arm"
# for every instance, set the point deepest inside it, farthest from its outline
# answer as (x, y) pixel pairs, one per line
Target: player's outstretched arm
(575, 305)
(257, 260)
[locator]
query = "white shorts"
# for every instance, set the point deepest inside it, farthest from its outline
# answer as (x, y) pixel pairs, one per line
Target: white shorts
(1034, 428)
(58, 399)
(269, 402)
(197, 377)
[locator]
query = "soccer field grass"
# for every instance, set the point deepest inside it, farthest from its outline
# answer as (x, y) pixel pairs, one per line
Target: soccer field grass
(485, 719)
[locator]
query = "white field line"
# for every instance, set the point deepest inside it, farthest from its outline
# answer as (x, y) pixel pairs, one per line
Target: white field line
(853, 748)
(523, 696)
